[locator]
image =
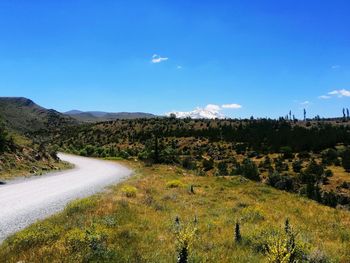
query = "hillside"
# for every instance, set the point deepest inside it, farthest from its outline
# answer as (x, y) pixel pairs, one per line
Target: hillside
(20, 153)
(164, 211)
(19, 156)
(310, 159)
(24, 116)
(99, 116)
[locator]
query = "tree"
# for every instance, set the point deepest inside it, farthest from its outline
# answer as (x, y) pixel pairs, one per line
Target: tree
(313, 172)
(208, 164)
(238, 236)
(3, 137)
(304, 115)
(297, 166)
(250, 170)
(346, 160)
(287, 152)
(222, 167)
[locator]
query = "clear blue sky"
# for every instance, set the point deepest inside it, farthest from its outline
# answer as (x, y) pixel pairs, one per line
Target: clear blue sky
(268, 56)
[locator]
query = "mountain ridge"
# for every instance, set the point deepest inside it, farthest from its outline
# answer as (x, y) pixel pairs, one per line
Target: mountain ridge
(97, 116)
(25, 116)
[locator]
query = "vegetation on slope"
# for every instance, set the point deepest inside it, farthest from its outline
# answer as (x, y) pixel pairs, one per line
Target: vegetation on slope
(165, 212)
(98, 116)
(299, 157)
(19, 156)
(24, 116)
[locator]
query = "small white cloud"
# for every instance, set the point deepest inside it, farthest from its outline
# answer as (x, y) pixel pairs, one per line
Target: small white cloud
(305, 102)
(340, 93)
(335, 66)
(157, 59)
(179, 67)
(324, 97)
(232, 106)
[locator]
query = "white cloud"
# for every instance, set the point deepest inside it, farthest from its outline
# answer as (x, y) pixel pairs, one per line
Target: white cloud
(232, 106)
(179, 67)
(336, 93)
(305, 102)
(324, 97)
(157, 59)
(335, 66)
(340, 93)
(211, 111)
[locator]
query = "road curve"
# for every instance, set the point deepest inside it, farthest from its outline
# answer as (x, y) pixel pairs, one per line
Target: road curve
(24, 201)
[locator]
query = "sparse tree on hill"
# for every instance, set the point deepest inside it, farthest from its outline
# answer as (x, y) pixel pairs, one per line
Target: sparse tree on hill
(346, 160)
(3, 137)
(238, 236)
(250, 170)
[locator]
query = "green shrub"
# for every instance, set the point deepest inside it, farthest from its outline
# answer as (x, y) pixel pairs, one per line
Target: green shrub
(79, 206)
(88, 244)
(250, 170)
(129, 191)
(174, 184)
(36, 235)
(252, 214)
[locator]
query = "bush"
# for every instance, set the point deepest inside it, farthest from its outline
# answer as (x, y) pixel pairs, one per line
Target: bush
(208, 164)
(297, 166)
(329, 156)
(129, 191)
(287, 152)
(250, 170)
(222, 167)
(285, 247)
(35, 235)
(174, 184)
(86, 245)
(188, 163)
(346, 160)
(79, 206)
(252, 214)
(124, 154)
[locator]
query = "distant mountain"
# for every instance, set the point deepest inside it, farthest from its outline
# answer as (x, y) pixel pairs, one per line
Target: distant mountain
(23, 115)
(95, 116)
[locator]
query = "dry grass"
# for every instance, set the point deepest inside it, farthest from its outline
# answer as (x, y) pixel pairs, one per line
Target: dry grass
(111, 227)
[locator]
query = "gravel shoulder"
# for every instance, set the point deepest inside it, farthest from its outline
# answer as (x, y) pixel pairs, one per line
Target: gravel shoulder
(22, 202)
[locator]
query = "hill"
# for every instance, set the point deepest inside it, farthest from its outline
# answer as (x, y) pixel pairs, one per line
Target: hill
(20, 153)
(24, 116)
(311, 159)
(20, 156)
(99, 116)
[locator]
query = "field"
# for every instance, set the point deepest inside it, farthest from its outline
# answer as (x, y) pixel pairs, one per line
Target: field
(152, 215)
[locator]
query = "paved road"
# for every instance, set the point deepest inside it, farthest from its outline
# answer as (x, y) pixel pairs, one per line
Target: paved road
(22, 202)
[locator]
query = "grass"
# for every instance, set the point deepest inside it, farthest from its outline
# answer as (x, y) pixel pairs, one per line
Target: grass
(112, 227)
(12, 167)
(22, 162)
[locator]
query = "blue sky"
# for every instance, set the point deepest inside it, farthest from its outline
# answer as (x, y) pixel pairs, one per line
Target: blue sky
(267, 56)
